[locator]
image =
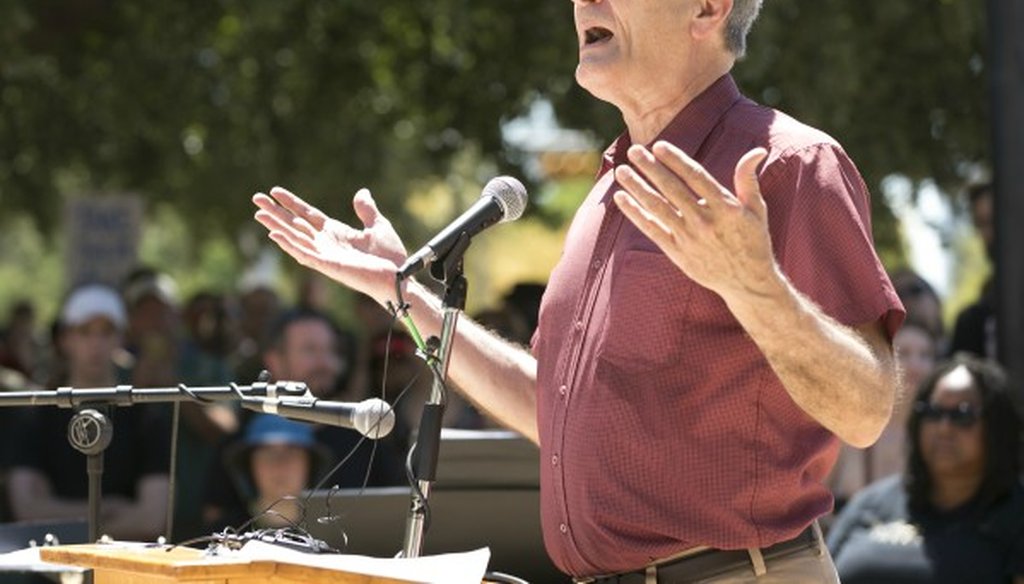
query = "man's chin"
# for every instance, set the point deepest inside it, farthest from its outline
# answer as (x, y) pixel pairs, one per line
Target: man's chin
(594, 78)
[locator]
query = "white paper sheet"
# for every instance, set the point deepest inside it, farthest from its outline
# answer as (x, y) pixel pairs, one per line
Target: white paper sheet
(459, 568)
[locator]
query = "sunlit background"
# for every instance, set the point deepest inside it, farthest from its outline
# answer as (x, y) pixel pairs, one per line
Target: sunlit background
(179, 111)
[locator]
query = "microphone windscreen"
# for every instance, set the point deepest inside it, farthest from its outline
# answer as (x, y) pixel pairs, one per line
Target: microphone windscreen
(510, 195)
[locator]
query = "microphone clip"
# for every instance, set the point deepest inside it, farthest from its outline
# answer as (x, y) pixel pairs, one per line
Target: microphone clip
(448, 268)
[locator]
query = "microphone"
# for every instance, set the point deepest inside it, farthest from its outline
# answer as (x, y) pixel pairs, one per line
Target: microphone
(503, 199)
(373, 418)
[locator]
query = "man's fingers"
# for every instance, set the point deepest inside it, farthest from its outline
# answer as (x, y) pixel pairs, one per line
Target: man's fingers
(649, 199)
(286, 226)
(271, 211)
(296, 205)
(667, 182)
(366, 208)
(696, 177)
(748, 189)
(647, 223)
(300, 254)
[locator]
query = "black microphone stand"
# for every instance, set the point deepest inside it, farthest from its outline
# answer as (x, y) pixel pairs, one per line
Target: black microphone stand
(449, 271)
(90, 430)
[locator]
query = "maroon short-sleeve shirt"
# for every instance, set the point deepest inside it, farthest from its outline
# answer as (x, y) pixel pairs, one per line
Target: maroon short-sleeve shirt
(662, 426)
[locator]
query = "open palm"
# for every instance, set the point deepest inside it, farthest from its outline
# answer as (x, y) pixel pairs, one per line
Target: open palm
(362, 259)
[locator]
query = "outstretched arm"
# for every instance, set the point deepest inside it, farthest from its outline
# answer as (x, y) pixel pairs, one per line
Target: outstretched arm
(843, 377)
(494, 374)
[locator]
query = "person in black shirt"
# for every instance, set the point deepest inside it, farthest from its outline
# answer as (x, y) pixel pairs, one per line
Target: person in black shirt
(48, 477)
(957, 513)
(976, 326)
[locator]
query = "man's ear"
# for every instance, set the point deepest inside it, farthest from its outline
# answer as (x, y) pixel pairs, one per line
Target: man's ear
(711, 17)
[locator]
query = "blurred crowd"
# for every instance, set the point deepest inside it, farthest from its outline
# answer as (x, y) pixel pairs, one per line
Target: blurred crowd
(937, 498)
(232, 464)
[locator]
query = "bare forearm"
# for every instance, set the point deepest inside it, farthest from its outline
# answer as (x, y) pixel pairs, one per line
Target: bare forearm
(497, 376)
(842, 377)
(143, 518)
(48, 507)
(32, 498)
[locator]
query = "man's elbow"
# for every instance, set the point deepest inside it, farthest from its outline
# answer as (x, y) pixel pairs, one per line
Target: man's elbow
(873, 417)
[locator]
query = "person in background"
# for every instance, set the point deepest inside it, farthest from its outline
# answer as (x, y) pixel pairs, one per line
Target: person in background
(202, 360)
(922, 303)
(273, 462)
(303, 347)
(210, 337)
(48, 477)
(916, 352)
(260, 307)
(976, 326)
(154, 330)
(22, 362)
(524, 301)
(20, 349)
(956, 514)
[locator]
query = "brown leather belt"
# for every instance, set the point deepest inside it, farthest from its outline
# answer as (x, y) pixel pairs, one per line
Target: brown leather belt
(708, 563)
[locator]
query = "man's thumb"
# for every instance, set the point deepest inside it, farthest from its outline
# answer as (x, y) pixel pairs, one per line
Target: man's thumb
(748, 189)
(366, 208)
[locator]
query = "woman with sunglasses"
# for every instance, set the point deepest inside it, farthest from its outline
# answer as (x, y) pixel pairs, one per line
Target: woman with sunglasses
(957, 513)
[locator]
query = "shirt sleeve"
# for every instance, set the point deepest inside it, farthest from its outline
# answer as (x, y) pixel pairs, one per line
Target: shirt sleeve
(820, 221)
(845, 524)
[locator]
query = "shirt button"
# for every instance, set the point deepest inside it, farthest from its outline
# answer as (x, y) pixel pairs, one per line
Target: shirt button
(596, 265)
(562, 390)
(554, 460)
(563, 528)
(579, 325)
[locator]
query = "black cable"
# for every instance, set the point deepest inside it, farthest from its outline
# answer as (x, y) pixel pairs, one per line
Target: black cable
(414, 484)
(231, 534)
(362, 439)
(172, 479)
(391, 408)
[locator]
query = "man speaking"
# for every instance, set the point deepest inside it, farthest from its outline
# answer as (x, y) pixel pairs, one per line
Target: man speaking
(718, 320)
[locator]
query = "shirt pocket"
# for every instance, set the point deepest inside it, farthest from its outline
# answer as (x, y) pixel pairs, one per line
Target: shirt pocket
(648, 309)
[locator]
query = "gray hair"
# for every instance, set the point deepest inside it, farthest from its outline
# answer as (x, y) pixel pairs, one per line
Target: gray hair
(741, 19)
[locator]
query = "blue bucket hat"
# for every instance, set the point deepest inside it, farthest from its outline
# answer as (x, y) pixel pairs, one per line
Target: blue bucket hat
(266, 429)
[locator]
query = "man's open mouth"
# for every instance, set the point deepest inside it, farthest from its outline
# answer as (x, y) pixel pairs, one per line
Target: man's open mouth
(596, 35)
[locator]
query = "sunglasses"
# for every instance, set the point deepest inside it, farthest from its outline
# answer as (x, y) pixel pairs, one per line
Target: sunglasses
(963, 415)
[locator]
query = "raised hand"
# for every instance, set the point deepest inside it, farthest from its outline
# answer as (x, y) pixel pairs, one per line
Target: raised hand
(362, 259)
(717, 238)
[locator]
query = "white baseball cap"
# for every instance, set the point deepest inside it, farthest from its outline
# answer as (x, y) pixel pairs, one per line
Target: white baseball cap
(91, 301)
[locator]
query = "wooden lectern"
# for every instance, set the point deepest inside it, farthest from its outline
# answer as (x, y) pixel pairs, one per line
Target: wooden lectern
(119, 565)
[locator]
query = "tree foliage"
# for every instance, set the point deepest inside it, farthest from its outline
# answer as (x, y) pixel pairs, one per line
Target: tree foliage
(203, 102)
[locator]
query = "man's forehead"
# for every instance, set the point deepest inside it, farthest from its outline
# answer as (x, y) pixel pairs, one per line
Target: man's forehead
(308, 328)
(95, 324)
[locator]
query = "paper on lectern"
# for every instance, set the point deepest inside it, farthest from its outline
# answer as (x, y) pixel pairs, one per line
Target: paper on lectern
(456, 568)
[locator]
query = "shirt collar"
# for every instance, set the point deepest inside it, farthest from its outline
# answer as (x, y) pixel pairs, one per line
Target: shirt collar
(689, 128)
